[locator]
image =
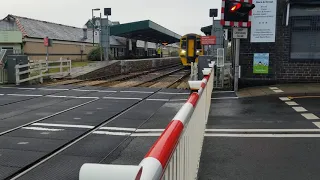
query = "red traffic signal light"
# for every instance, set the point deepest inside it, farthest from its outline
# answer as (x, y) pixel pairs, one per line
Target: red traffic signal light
(235, 7)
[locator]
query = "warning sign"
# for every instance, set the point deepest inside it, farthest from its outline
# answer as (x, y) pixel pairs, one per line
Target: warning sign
(240, 33)
(208, 40)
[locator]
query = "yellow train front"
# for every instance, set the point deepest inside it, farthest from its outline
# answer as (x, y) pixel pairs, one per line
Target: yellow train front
(190, 49)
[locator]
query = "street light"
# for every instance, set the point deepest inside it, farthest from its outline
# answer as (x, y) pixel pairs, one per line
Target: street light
(93, 28)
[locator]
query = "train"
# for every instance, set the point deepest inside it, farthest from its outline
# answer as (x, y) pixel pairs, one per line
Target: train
(190, 48)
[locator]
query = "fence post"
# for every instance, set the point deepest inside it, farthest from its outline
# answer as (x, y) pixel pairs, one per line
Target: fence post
(61, 70)
(70, 66)
(41, 73)
(17, 74)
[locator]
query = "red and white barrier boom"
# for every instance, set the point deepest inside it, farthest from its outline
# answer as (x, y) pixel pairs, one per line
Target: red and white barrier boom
(176, 153)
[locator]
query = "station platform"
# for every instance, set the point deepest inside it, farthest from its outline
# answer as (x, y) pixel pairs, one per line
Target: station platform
(50, 132)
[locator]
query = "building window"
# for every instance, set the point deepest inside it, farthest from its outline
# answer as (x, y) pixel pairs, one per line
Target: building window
(305, 34)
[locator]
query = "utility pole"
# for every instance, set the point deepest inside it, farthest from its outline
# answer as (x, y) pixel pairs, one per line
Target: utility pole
(213, 13)
(100, 38)
(93, 25)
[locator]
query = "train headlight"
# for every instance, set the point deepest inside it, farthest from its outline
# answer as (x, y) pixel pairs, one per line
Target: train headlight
(183, 51)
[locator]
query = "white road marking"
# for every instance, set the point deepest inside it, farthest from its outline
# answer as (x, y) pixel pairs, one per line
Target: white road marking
(317, 124)
(157, 99)
(84, 90)
(262, 130)
(225, 98)
(112, 133)
(299, 109)
(64, 125)
(42, 129)
(23, 143)
(27, 88)
(292, 103)
(76, 118)
(262, 135)
(309, 116)
(214, 92)
(273, 88)
(26, 95)
(146, 134)
(1, 94)
(278, 91)
(56, 96)
(143, 92)
(150, 130)
(122, 98)
(53, 89)
(172, 93)
(284, 99)
(107, 91)
(118, 128)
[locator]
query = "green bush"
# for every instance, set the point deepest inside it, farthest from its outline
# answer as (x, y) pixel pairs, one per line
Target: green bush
(94, 54)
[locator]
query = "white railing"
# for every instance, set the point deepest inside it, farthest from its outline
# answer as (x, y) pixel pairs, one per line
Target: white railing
(40, 69)
(3, 76)
(176, 153)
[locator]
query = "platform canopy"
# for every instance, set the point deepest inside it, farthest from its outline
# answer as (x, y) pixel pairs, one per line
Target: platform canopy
(145, 31)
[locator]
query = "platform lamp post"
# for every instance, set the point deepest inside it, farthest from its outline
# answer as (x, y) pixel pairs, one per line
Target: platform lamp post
(213, 13)
(93, 28)
(107, 12)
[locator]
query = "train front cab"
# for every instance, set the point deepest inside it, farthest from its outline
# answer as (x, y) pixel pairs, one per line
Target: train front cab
(190, 49)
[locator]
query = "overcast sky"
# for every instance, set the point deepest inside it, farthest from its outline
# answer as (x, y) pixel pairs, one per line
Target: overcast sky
(180, 16)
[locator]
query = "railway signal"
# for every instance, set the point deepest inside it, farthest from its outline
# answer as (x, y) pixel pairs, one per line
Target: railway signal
(237, 11)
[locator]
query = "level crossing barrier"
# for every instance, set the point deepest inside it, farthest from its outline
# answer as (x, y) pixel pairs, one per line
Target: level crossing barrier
(40, 69)
(176, 154)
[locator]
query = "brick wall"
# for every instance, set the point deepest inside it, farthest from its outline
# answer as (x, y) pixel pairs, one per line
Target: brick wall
(281, 68)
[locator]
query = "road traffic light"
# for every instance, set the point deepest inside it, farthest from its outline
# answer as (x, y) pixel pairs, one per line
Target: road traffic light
(237, 11)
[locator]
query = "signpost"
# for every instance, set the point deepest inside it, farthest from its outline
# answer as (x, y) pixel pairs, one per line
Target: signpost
(240, 33)
(208, 40)
(47, 43)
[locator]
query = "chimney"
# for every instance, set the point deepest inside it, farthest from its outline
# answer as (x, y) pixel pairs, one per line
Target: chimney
(85, 32)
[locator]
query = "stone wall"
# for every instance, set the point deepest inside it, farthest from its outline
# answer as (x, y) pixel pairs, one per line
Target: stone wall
(281, 68)
(128, 66)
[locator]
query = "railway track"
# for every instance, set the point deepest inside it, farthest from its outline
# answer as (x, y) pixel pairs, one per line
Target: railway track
(59, 150)
(109, 79)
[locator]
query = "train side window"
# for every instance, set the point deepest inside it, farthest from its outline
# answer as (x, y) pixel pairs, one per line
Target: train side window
(199, 44)
(184, 44)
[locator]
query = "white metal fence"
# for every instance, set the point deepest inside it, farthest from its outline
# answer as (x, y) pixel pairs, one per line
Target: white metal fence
(40, 69)
(176, 153)
(3, 76)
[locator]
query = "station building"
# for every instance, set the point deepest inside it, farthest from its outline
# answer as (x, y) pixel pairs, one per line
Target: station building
(295, 55)
(26, 35)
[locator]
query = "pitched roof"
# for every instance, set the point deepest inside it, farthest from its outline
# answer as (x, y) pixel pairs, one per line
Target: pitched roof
(41, 29)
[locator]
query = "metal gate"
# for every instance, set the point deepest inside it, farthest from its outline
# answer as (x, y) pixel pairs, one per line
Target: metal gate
(223, 71)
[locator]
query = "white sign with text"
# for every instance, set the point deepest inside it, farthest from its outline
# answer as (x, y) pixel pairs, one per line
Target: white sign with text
(240, 33)
(263, 21)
